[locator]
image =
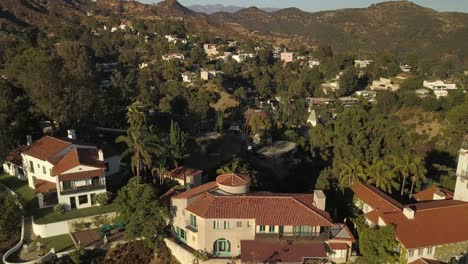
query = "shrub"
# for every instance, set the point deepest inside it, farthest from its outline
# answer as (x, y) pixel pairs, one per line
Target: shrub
(102, 198)
(60, 208)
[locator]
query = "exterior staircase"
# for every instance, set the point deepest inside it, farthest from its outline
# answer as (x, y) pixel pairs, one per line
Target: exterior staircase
(29, 235)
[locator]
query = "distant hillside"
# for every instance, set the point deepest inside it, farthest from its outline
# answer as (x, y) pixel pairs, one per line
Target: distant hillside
(211, 9)
(399, 27)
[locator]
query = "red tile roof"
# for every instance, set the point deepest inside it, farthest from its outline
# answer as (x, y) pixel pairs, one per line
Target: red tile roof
(81, 175)
(375, 198)
(181, 171)
(438, 223)
(341, 232)
(428, 194)
(43, 186)
(15, 155)
(338, 246)
(266, 210)
(426, 261)
(46, 147)
(273, 251)
(197, 190)
(373, 216)
(76, 157)
(233, 179)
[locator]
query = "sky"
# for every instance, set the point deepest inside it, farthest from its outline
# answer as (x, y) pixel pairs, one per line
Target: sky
(320, 5)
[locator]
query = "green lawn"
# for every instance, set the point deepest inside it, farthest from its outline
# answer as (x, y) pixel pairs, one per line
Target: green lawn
(59, 243)
(27, 196)
(48, 215)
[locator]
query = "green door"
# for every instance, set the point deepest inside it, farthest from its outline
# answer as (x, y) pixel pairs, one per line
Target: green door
(222, 248)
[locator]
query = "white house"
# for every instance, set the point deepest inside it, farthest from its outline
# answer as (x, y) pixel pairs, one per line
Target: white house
(210, 49)
(240, 57)
(287, 57)
(362, 63)
(314, 63)
(173, 56)
(186, 176)
(384, 84)
(206, 74)
(405, 68)
(62, 171)
(439, 87)
(189, 77)
(14, 162)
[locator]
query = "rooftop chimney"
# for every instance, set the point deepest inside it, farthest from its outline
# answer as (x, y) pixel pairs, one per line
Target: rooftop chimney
(319, 199)
(101, 155)
(29, 140)
(408, 212)
(71, 134)
(438, 196)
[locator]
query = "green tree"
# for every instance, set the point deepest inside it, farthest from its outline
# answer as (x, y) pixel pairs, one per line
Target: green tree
(140, 210)
(380, 175)
(238, 165)
(351, 172)
(10, 216)
(178, 141)
(407, 165)
(219, 121)
(348, 81)
(378, 244)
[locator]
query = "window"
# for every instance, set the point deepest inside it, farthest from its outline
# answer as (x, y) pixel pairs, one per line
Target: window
(67, 185)
(227, 225)
(38, 166)
(95, 181)
(410, 253)
(31, 166)
(193, 220)
(215, 224)
(302, 230)
(239, 224)
(429, 250)
(93, 198)
(420, 251)
(44, 170)
(262, 229)
(82, 199)
(248, 224)
(50, 172)
(271, 229)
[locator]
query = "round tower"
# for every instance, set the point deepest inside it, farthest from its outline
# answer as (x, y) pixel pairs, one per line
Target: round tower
(234, 183)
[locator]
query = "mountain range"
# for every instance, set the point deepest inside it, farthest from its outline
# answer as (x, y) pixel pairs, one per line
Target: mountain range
(399, 27)
(210, 9)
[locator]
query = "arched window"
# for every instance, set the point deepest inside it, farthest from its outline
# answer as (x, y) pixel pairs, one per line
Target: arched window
(222, 247)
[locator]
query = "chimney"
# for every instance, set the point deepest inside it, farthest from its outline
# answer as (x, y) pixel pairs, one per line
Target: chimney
(408, 212)
(71, 134)
(29, 140)
(319, 199)
(101, 155)
(438, 196)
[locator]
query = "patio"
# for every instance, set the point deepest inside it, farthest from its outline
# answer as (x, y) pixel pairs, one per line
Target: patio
(92, 238)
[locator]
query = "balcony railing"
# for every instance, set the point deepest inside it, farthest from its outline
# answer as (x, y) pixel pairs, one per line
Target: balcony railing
(323, 236)
(190, 226)
(81, 189)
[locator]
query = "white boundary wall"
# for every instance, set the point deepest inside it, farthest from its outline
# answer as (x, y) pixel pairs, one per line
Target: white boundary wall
(62, 227)
(186, 257)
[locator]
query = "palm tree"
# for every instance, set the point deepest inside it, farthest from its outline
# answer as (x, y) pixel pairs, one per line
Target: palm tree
(231, 167)
(419, 175)
(407, 165)
(351, 172)
(380, 175)
(143, 146)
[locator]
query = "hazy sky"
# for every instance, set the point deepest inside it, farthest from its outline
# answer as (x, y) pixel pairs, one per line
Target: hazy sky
(318, 5)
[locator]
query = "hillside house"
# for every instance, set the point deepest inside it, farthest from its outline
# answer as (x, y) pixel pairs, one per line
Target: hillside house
(368, 95)
(405, 68)
(362, 63)
(440, 88)
(287, 57)
(225, 219)
(173, 56)
(189, 77)
(174, 39)
(13, 164)
(384, 84)
(427, 225)
(347, 102)
(206, 74)
(314, 63)
(210, 49)
(240, 58)
(186, 176)
(62, 171)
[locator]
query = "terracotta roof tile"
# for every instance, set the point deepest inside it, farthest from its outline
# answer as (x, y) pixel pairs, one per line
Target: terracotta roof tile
(428, 194)
(266, 210)
(233, 179)
(182, 171)
(341, 232)
(15, 155)
(76, 157)
(426, 261)
(272, 251)
(338, 246)
(81, 175)
(375, 198)
(43, 186)
(431, 226)
(46, 147)
(197, 190)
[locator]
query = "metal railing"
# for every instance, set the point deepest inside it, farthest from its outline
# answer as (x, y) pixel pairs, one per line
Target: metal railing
(81, 189)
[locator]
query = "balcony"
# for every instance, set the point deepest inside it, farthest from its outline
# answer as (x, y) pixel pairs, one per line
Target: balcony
(323, 236)
(190, 226)
(81, 189)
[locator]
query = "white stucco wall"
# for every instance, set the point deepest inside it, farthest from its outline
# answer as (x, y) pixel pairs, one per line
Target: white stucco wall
(65, 199)
(39, 166)
(461, 187)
